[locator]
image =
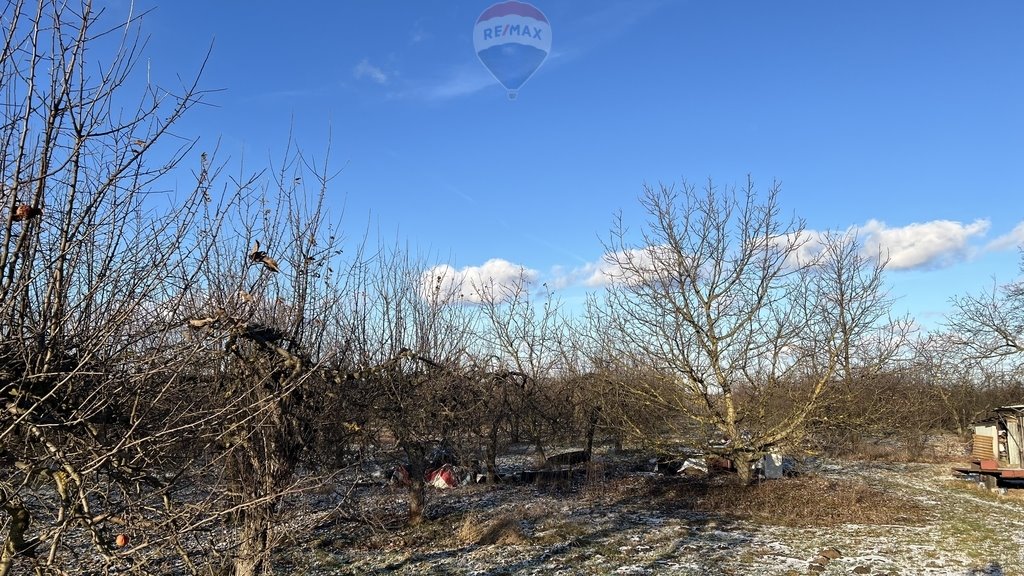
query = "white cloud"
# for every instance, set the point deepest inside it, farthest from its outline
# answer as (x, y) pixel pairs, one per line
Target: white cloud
(1012, 239)
(366, 70)
(560, 277)
(624, 266)
(920, 245)
(591, 274)
(600, 273)
(931, 244)
(923, 245)
(808, 246)
(466, 284)
(652, 262)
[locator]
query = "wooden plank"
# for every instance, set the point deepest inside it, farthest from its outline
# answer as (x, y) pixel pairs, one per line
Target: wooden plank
(988, 464)
(982, 447)
(998, 473)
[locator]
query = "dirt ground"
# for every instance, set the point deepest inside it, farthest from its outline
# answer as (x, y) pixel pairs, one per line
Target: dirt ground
(844, 518)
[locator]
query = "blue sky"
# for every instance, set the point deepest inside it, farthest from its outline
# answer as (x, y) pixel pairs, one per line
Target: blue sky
(902, 119)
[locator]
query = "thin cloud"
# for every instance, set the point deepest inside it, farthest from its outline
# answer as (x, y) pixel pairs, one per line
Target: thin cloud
(458, 81)
(622, 267)
(471, 77)
(805, 246)
(1012, 239)
(418, 34)
(613, 21)
(367, 70)
(590, 275)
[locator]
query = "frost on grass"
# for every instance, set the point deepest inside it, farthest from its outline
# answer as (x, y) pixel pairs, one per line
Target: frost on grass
(856, 518)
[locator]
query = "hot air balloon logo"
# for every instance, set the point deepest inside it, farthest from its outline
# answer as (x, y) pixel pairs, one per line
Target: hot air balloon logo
(512, 40)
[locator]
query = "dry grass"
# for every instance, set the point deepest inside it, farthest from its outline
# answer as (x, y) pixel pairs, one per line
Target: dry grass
(503, 530)
(807, 501)
(940, 448)
(812, 501)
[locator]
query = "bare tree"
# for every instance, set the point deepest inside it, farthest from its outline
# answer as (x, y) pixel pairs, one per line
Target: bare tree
(964, 387)
(523, 333)
(743, 316)
(870, 347)
(603, 376)
(989, 325)
(154, 359)
(409, 340)
(91, 276)
(260, 316)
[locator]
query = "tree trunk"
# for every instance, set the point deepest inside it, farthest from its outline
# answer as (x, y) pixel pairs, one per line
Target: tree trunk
(417, 500)
(255, 516)
(15, 544)
(492, 456)
(515, 431)
(417, 490)
(253, 557)
(538, 445)
(743, 463)
(595, 416)
(264, 465)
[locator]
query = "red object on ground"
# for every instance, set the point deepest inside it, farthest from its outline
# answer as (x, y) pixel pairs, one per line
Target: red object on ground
(121, 540)
(443, 477)
(719, 463)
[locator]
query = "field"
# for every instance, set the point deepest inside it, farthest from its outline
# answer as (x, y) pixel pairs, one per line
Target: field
(846, 517)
